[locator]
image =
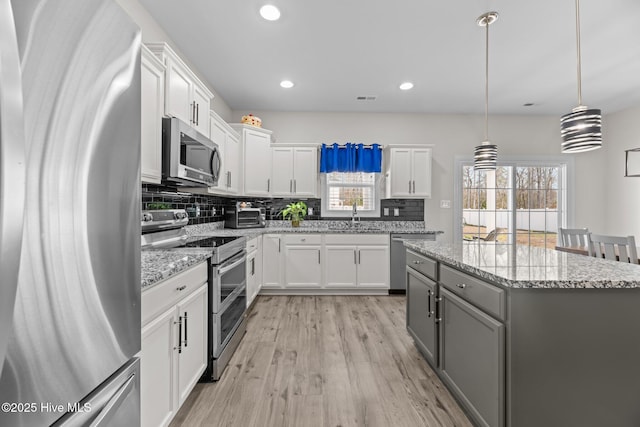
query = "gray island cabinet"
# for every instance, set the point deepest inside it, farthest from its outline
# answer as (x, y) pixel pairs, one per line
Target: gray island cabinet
(528, 337)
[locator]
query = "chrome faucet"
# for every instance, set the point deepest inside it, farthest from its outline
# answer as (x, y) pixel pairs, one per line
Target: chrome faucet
(354, 214)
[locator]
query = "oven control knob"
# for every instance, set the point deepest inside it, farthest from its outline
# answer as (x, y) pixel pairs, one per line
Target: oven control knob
(180, 215)
(146, 217)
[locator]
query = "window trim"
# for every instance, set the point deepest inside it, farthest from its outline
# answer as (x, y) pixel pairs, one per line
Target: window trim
(326, 212)
(569, 184)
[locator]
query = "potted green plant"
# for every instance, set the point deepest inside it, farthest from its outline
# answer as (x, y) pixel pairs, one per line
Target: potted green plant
(295, 211)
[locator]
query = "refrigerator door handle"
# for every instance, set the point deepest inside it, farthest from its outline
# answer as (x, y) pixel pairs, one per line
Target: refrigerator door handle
(112, 407)
(12, 171)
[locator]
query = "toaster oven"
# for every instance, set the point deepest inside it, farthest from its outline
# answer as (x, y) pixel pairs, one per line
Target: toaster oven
(243, 215)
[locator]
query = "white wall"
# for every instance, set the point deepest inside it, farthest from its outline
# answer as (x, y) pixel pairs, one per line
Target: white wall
(621, 131)
(152, 32)
(451, 135)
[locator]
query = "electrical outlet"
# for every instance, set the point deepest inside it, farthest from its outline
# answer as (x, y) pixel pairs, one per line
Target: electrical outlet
(445, 204)
(385, 212)
(396, 212)
(309, 211)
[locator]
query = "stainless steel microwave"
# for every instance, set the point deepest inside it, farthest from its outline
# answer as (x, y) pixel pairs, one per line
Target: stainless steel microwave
(188, 157)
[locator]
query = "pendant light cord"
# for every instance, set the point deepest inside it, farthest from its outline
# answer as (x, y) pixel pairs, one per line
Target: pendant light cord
(486, 85)
(578, 53)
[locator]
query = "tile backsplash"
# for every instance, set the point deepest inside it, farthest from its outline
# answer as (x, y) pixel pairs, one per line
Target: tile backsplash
(211, 208)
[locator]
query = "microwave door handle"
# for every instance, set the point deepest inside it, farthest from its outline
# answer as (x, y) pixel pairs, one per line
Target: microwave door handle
(215, 164)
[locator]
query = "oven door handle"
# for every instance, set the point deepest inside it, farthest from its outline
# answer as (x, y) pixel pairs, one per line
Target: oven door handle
(232, 263)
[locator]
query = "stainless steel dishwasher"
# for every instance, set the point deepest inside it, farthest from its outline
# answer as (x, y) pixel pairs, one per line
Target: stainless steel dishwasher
(398, 260)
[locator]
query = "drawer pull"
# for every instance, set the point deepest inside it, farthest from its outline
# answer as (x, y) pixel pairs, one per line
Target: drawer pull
(303, 240)
(181, 288)
(418, 262)
(461, 285)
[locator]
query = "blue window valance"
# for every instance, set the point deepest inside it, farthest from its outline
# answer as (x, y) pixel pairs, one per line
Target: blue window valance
(350, 158)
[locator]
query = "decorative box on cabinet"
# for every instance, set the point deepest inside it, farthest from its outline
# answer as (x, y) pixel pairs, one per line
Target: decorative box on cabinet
(186, 97)
(174, 343)
(256, 159)
(152, 110)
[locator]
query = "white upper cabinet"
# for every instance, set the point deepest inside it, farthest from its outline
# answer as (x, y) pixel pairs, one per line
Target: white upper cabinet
(294, 171)
(152, 110)
(228, 142)
(186, 97)
(255, 144)
(409, 172)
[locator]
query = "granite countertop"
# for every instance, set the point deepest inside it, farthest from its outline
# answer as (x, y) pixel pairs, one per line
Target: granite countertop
(159, 264)
(327, 227)
(521, 266)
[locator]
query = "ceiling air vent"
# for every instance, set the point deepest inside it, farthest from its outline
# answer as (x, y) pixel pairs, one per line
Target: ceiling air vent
(366, 98)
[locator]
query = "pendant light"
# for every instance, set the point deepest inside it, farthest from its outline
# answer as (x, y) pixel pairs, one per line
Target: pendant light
(486, 154)
(581, 129)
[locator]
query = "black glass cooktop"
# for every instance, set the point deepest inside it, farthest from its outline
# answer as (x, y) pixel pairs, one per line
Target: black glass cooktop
(207, 242)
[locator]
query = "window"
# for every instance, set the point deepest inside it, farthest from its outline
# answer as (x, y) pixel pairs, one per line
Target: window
(341, 190)
(523, 201)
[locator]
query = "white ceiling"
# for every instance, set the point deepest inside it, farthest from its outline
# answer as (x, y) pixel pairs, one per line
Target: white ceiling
(336, 50)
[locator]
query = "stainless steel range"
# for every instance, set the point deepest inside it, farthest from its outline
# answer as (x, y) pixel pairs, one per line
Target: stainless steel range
(227, 280)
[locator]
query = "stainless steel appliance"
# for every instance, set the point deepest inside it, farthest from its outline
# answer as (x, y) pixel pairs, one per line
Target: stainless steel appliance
(227, 280)
(244, 215)
(188, 157)
(69, 216)
(398, 260)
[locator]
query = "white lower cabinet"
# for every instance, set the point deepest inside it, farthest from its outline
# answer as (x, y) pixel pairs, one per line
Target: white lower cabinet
(341, 266)
(192, 357)
(272, 262)
(174, 343)
(254, 268)
(373, 266)
(325, 262)
(157, 371)
(356, 261)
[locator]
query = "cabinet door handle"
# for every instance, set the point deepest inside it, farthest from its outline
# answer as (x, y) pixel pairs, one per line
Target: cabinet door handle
(253, 266)
(318, 256)
(185, 328)
(228, 178)
(193, 112)
(428, 302)
(181, 288)
(290, 186)
(409, 186)
(295, 186)
(414, 187)
(268, 184)
(179, 323)
(355, 261)
(278, 244)
(358, 256)
(461, 285)
(198, 114)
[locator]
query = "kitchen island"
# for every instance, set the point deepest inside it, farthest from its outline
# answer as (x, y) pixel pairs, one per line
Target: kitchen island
(526, 336)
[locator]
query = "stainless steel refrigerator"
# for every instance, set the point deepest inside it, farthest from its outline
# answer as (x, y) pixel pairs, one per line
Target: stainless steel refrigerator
(69, 213)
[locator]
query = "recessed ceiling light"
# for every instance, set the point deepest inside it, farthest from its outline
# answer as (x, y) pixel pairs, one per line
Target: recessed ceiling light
(287, 84)
(270, 12)
(406, 86)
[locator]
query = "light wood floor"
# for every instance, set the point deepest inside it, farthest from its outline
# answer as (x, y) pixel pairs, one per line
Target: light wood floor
(324, 361)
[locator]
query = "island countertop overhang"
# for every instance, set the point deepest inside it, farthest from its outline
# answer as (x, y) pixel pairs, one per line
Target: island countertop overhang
(526, 267)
